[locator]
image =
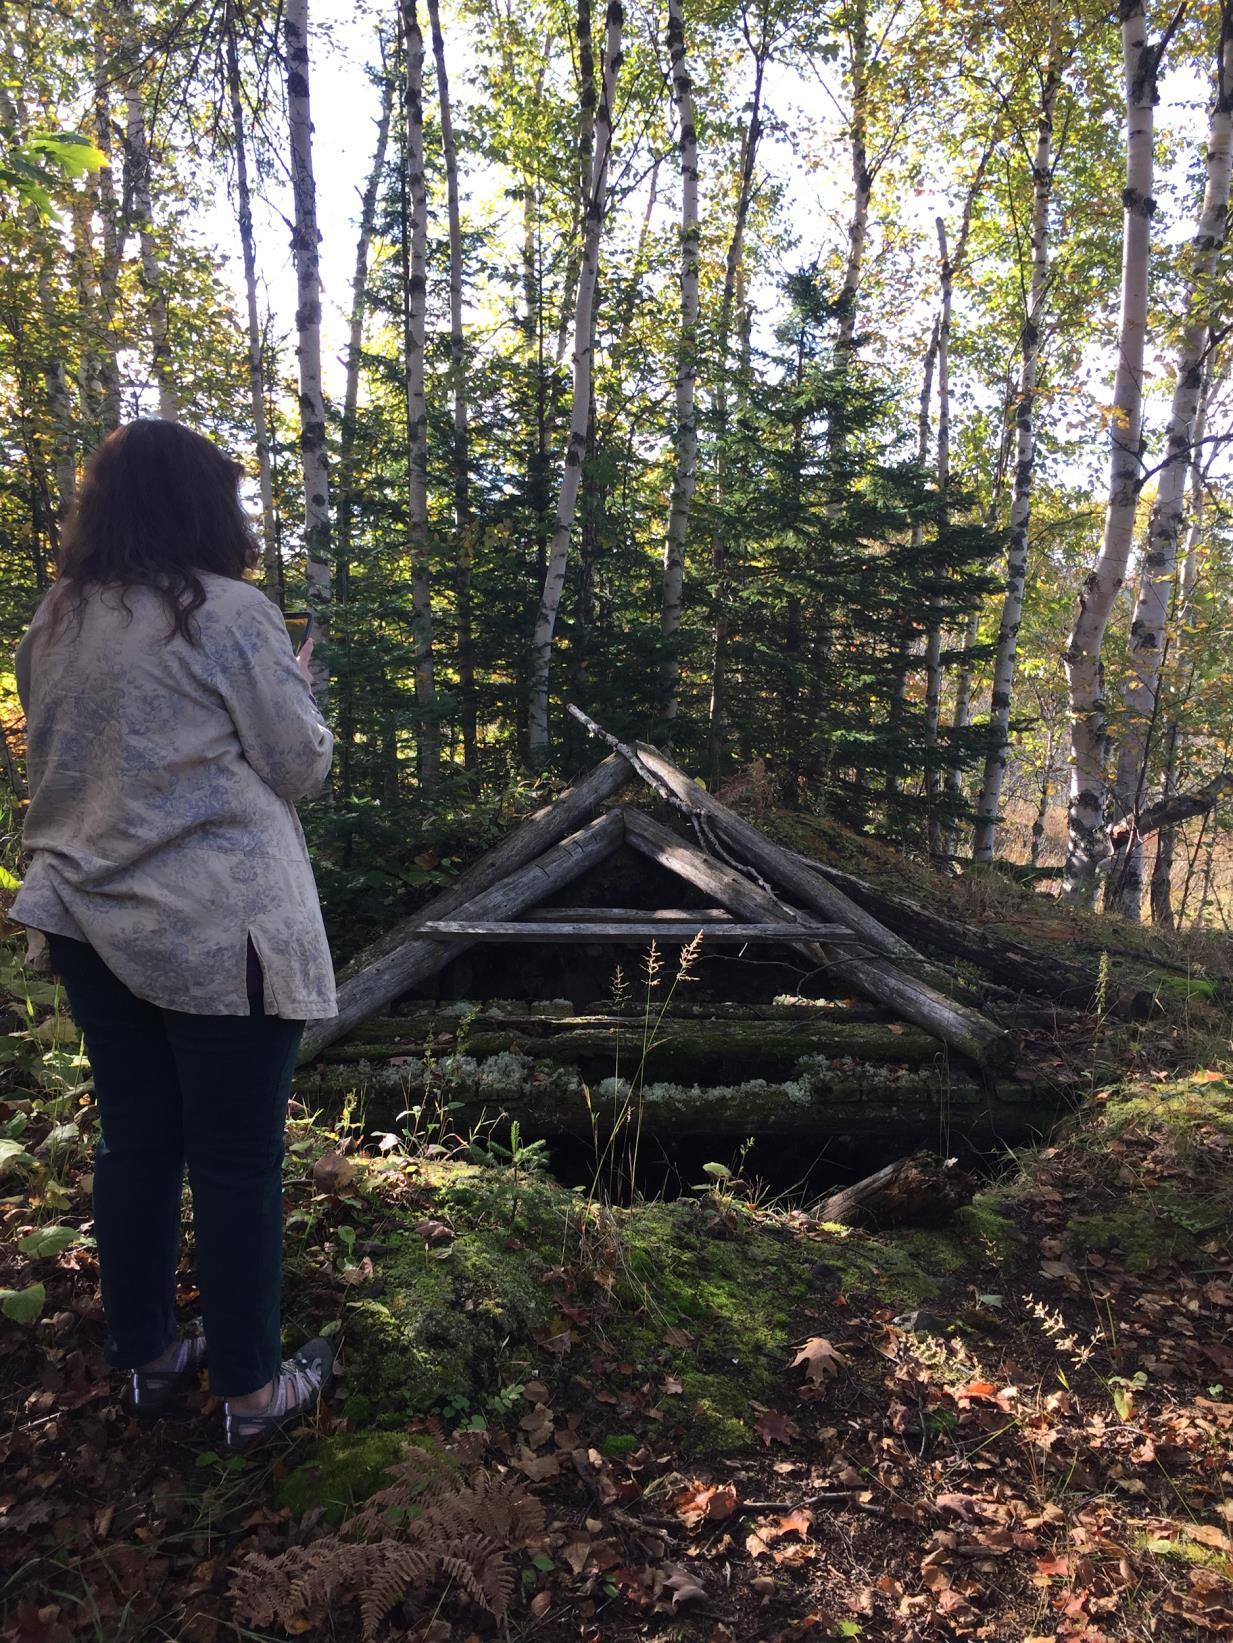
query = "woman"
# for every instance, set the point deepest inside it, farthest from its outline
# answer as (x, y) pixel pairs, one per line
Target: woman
(170, 729)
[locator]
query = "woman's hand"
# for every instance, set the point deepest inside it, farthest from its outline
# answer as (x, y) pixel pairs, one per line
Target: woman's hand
(303, 657)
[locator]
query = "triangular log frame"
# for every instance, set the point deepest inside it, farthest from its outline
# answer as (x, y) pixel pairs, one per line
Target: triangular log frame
(741, 870)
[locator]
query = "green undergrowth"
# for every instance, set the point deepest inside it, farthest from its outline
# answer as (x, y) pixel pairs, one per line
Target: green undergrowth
(534, 1276)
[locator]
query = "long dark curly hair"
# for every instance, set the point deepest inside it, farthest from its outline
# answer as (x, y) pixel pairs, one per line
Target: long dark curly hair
(158, 505)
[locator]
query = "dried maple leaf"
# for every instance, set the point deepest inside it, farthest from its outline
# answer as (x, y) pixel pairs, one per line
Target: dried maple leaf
(772, 1427)
(332, 1172)
(820, 1358)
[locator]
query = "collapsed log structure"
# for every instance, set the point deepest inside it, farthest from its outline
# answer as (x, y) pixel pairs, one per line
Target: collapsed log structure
(877, 1035)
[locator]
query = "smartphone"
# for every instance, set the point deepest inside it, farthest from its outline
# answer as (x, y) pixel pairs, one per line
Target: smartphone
(299, 626)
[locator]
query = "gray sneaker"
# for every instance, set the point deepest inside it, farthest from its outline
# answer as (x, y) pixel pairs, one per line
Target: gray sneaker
(152, 1391)
(297, 1390)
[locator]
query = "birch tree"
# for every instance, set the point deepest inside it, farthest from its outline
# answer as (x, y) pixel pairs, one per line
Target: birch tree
(256, 364)
(461, 455)
(989, 799)
(346, 445)
(137, 180)
(538, 744)
(1147, 630)
(305, 247)
(415, 314)
(685, 471)
(721, 570)
(1087, 845)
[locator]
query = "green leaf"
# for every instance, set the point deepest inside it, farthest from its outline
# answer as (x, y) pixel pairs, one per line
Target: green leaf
(48, 1241)
(23, 1305)
(14, 1156)
(8, 881)
(69, 151)
(719, 1172)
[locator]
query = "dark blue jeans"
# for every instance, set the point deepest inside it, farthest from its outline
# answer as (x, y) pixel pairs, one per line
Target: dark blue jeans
(205, 1091)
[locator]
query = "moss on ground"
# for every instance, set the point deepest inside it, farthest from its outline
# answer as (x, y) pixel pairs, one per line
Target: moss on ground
(341, 1471)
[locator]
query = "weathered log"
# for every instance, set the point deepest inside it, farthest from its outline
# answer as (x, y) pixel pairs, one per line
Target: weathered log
(874, 977)
(630, 915)
(626, 931)
(822, 1102)
(415, 1018)
(749, 845)
(922, 1189)
(1009, 961)
(677, 1042)
(529, 839)
(378, 983)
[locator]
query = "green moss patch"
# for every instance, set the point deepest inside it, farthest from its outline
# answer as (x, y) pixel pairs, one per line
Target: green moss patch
(339, 1472)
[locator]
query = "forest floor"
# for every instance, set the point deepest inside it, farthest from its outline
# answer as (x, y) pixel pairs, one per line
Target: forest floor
(708, 1419)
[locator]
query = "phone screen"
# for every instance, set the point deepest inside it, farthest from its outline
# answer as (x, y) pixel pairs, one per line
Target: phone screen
(299, 626)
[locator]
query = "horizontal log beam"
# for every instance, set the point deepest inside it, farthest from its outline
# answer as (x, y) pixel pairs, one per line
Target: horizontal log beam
(852, 1101)
(628, 931)
(629, 915)
(678, 1042)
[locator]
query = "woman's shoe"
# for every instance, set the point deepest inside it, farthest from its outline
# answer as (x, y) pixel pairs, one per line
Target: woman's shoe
(152, 1391)
(297, 1390)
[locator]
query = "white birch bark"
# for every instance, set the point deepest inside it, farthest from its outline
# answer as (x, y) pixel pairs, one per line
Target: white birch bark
(686, 469)
(346, 444)
(1147, 629)
(428, 735)
(538, 743)
(1089, 735)
(718, 714)
(137, 153)
(933, 637)
(586, 167)
(862, 184)
(463, 523)
(256, 364)
(989, 799)
(114, 235)
(305, 246)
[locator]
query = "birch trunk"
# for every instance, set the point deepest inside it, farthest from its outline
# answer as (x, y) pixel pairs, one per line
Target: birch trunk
(137, 181)
(256, 366)
(933, 638)
(686, 469)
(545, 622)
(585, 173)
(415, 255)
(718, 714)
(989, 799)
(305, 246)
(1089, 734)
(463, 523)
(114, 234)
(346, 447)
(1147, 630)
(1166, 843)
(862, 186)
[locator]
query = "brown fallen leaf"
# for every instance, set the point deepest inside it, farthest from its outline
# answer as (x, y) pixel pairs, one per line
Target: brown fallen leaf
(821, 1360)
(684, 1588)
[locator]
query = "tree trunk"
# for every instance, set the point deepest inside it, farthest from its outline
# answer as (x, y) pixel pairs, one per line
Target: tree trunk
(933, 638)
(347, 439)
(584, 174)
(862, 186)
(464, 525)
(1042, 807)
(114, 235)
(989, 799)
(721, 570)
(685, 472)
(415, 265)
(1166, 844)
(305, 246)
(1089, 738)
(538, 743)
(137, 188)
(256, 368)
(1147, 630)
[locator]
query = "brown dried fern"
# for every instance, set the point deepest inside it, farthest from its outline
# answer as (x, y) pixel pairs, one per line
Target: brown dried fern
(433, 1523)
